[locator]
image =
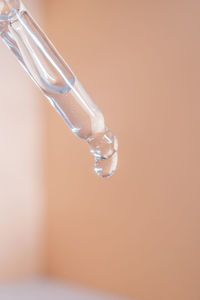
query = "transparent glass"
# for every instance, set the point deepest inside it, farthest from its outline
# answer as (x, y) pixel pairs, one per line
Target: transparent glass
(60, 86)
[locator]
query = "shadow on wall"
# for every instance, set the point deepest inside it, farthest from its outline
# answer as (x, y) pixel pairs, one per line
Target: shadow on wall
(21, 192)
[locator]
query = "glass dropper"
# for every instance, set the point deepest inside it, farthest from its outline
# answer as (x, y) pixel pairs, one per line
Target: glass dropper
(53, 76)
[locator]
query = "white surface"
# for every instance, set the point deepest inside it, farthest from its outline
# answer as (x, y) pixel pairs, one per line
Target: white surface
(49, 290)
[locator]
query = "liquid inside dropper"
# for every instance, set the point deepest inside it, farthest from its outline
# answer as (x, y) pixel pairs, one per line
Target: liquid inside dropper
(89, 127)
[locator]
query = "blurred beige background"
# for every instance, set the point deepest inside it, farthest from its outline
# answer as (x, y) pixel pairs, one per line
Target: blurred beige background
(137, 233)
(21, 170)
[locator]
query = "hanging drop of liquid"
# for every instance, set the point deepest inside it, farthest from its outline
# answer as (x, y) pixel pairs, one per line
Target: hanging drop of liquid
(104, 148)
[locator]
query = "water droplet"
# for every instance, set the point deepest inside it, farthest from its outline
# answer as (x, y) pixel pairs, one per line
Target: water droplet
(106, 167)
(104, 148)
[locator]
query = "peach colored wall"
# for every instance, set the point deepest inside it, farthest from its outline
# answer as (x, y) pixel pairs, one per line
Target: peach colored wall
(21, 192)
(136, 234)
